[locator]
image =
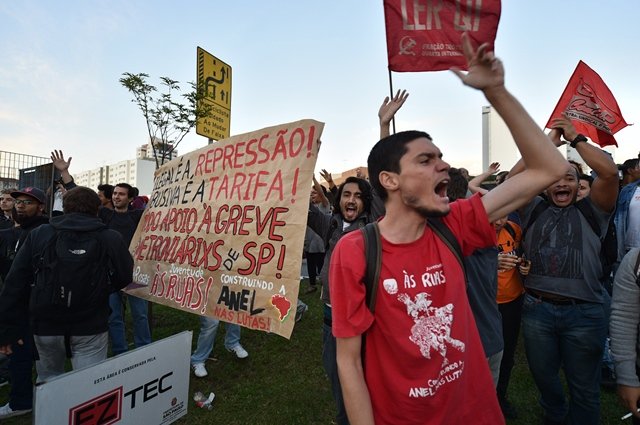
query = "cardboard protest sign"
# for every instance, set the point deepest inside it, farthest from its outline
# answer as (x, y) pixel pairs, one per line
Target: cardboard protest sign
(590, 105)
(425, 35)
(223, 232)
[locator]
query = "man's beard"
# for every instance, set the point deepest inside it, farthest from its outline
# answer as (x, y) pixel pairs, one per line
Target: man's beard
(23, 219)
(426, 212)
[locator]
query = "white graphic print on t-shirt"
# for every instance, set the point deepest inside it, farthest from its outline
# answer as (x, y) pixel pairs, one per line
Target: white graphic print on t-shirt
(432, 328)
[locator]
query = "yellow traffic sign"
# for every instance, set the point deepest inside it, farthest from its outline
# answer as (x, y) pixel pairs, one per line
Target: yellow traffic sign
(214, 79)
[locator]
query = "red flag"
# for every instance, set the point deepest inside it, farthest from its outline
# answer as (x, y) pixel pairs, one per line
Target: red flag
(590, 105)
(424, 35)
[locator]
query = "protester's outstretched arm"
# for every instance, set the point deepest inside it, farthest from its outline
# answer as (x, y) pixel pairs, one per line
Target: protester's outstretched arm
(354, 388)
(388, 110)
(320, 192)
(476, 182)
(519, 166)
(604, 189)
(328, 178)
(544, 164)
(62, 165)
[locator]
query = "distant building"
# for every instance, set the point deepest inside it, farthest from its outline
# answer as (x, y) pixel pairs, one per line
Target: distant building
(146, 151)
(137, 172)
(338, 178)
(498, 145)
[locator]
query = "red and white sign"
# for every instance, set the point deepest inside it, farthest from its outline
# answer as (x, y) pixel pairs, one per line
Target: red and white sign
(424, 35)
(590, 105)
(149, 385)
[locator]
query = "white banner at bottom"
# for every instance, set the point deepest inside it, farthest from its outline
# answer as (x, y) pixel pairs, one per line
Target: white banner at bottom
(149, 385)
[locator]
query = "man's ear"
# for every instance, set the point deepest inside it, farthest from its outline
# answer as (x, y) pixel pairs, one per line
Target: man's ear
(389, 180)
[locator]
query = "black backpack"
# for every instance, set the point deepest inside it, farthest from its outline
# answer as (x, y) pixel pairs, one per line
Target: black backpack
(71, 275)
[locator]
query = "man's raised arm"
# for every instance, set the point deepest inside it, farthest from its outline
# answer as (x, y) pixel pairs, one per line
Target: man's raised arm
(388, 110)
(604, 189)
(544, 164)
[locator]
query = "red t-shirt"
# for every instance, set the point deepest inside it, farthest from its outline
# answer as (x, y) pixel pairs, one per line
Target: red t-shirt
(424, 362)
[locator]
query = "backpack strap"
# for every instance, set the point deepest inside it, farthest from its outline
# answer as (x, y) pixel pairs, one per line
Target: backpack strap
(446, 235)
(373, 261)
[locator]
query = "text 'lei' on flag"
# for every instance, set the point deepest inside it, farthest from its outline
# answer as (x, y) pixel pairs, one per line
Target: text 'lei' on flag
(590, 105)
(424, 35)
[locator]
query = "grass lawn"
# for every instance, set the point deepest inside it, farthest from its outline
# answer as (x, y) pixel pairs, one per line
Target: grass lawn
(282, 381)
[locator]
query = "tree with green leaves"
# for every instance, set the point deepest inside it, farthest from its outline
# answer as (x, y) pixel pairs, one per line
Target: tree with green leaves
(168, 120)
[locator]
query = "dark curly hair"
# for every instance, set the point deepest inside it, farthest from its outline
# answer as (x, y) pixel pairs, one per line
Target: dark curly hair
(365, 189)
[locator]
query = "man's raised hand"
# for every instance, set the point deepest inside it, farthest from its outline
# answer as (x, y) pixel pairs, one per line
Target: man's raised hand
(57, 157)
(485, 71)
(389, 106)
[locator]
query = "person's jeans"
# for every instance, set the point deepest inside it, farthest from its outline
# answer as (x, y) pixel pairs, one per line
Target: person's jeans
(331, 369)
(511, 313)
(207, 336)
(86, 350)
(141, 332)
(494, 366)
(315, 261)
(20, 373)
(571, 336)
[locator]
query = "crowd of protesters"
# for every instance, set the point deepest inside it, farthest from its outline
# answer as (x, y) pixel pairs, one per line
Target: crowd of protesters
(537, 258)
(463, 266)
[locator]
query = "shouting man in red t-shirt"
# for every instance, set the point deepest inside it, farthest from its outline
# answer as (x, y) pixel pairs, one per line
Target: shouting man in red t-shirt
(424, 360)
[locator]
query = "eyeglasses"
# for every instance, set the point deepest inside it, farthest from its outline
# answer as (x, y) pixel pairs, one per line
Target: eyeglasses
(26, 202)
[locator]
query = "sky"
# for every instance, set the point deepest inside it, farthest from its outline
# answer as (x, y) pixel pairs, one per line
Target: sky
(60, 62)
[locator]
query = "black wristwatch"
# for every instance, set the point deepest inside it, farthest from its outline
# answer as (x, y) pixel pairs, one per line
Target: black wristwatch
(579, 138)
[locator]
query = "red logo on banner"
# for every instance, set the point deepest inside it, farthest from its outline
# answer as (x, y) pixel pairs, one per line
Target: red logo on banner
(424, 35)
(102, 410)
(590, 105)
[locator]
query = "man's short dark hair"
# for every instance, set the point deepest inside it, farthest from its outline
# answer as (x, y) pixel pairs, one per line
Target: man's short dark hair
(365, 195)
(82, 200)
(386, 154)
(629, 164)
(577, 166)
(501, 177)
(107, 190)
(130, 192)
(586, 177)
(458, 185)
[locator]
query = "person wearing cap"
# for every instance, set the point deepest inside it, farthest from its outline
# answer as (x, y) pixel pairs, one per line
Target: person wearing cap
(29, 206)
(78, 327)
